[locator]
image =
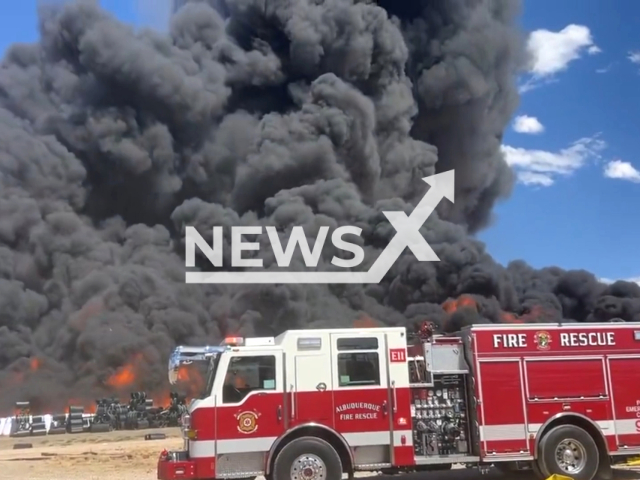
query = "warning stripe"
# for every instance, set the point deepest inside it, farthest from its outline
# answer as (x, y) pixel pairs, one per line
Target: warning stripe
(209, 448)
(490, 433)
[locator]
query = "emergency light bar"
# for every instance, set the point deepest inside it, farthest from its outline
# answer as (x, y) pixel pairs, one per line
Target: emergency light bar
(249, 342)
(233, 341)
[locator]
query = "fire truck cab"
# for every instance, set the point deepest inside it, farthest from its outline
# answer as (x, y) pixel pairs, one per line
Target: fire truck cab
(317, 404)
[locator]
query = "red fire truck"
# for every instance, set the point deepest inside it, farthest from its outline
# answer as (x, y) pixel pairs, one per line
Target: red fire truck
(317, 404)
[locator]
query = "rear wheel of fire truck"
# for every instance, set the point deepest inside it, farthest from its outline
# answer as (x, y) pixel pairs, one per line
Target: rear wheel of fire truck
(535, 467)
(307, 458)
(570, 451)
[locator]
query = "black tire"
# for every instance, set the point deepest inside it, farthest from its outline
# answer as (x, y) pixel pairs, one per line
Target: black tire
(291, 453)
(537, 466)
(537, 471)
(22, 446)
(100, 428)
(577, 440)
(132, 421)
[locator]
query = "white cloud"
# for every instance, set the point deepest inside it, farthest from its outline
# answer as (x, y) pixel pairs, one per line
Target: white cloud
(541, 167)
(634, 57)
(606, 69)
(527, 124)
(534, 178)
(551, 52)
(622, 171)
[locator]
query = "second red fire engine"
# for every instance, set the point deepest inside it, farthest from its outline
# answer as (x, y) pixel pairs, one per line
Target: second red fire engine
(314, 404)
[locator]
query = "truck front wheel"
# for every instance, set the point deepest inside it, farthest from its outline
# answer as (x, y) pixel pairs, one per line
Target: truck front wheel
(570, 451)
(307, 458)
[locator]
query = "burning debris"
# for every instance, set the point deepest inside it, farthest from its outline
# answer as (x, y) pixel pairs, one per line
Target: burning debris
(138, 413)
(281, 113)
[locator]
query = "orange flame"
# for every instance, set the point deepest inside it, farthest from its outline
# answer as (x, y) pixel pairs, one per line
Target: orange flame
(125, 376)
(190, 381)
(453, 305)
(534, 314)
(34, 364)
(191, 376)
(120, 384)
(365, 321)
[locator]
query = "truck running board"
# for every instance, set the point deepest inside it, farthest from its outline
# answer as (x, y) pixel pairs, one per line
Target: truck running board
(435, 460)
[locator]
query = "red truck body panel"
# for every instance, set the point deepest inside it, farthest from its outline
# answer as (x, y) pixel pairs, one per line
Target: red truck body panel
(537, 373)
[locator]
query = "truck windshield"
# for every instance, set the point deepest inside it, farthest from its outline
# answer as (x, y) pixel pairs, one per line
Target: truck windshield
(211, 375)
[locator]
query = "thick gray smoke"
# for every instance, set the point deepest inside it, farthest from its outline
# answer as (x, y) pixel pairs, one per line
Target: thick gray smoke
(251, 112)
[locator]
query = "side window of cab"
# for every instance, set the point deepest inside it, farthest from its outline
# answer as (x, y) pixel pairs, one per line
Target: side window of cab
(247, 374)
(358, 362)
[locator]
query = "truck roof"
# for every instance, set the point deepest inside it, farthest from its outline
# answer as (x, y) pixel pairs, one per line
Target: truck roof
(288, 337)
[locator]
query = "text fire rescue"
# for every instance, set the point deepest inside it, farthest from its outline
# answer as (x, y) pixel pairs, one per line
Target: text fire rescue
(591, 339)
(372, 414)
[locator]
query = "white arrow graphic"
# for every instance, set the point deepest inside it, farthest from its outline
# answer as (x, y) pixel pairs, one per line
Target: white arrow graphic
(407, 236)
(408, 228)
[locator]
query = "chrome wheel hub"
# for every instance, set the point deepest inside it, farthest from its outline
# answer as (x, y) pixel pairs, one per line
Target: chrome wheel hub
(571, 456)
(308, 467)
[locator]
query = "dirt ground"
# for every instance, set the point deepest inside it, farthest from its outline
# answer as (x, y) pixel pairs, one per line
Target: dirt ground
(97, 456)
(128, 456)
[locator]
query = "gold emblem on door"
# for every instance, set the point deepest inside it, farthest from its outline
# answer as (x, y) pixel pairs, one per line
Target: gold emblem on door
(247, 422)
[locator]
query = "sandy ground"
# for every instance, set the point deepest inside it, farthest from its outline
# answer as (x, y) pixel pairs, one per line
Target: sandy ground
(96, 456)
(128, 456)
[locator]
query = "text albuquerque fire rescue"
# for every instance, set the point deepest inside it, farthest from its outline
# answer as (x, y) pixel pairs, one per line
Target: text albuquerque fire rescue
(372, 413)
(407, 235)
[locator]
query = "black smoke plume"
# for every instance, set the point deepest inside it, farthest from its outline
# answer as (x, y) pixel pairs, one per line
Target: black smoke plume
(251, 112)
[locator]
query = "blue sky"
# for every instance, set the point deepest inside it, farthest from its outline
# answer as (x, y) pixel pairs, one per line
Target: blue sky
(577, 201)
(586, 90)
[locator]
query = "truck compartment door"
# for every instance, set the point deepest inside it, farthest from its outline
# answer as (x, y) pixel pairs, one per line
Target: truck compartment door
(311, 396)
(503, 428)
(362, 394)
(625, 392)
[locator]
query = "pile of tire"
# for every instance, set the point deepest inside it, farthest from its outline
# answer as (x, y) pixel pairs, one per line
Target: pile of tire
(58, 424)
(138, 415)
(75, 420)
(158, 417)
(120, 412)
(21, 422)
(103, 420)
(176, 410)
(38, 426)
(144, 411)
